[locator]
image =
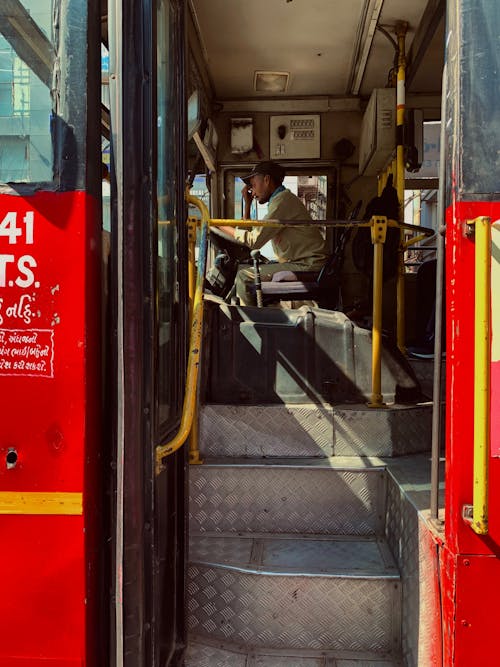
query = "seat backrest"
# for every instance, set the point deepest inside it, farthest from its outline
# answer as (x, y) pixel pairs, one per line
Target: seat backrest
(333, 266)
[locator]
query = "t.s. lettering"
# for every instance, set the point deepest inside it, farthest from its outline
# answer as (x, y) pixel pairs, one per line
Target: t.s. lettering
(17, 271)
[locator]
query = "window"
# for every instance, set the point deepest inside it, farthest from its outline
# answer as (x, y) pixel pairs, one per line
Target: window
(171, 302)
(200, 190)
(26, 57)
(311, 190)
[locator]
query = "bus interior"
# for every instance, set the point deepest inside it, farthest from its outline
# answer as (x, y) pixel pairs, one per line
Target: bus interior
(311, 535)
(305, 532)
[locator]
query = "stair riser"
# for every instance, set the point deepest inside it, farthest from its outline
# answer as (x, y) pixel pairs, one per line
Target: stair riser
(287, 500)
(299, 612)
(309, 430)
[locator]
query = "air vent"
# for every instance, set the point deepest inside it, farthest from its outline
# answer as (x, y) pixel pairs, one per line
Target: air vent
(270, 82)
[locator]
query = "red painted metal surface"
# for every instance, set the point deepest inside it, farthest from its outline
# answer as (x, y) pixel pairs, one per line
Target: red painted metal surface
(470, 603)
(470, 571)
(477, 614)
(448, 596)
(50, 388)
(460, 385)
(495, 403)
(429, 597)
(495, 338)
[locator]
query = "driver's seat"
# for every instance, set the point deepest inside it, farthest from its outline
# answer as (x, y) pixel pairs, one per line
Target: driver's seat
(300, 286)
(322, 286)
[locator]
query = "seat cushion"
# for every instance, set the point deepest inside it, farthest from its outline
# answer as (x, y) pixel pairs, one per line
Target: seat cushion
(296, 287)
(294, 276)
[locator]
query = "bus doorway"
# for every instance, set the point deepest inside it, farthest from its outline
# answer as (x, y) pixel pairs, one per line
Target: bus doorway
(300, 522)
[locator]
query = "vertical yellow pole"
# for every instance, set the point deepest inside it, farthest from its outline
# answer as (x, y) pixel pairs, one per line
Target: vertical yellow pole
(401, 29)
(194, 442)
(192, 226)
(194, 452)
(482, 366)
(378, 232)
(400, 296)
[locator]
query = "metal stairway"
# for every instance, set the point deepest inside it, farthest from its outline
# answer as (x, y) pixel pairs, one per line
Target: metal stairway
(288, 565)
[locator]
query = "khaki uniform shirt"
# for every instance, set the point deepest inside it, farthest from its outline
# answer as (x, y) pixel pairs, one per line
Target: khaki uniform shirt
(303, 245)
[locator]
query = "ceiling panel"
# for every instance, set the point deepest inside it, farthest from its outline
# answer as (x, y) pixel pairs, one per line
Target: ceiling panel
(311, 39)
(314, 40)
(382, 53)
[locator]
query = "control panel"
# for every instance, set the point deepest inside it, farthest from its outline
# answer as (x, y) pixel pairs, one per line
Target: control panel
(294, 137)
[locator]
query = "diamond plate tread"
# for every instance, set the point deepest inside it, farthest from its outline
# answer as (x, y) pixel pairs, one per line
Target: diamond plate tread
(308, 555)
(287, 499)
(412, 540)
(205, 655)
(365, 663)
(293, 611)
(392, 431)
(200, 655)
(266, 430)
(311, 430)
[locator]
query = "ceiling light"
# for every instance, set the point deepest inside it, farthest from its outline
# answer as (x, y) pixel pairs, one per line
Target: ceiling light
(271, 82)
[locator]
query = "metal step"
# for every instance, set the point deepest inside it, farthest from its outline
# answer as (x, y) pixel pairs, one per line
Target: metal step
(294, 592)
(213, 655)
(312, 430)
(336, 496)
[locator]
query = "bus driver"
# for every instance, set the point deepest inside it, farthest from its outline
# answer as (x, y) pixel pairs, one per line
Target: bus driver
(296, 248)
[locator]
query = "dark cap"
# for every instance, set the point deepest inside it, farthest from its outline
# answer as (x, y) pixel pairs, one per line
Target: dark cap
(267, 168)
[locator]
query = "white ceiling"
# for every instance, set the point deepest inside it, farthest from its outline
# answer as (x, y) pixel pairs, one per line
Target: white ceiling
(314, 40)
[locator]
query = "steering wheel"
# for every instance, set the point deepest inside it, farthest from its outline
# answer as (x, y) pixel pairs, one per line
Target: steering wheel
(224, 235)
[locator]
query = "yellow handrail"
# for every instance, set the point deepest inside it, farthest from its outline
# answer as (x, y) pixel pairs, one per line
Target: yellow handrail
(189, 408)
(482, 364)
(401, 297)
(378, 234)
(230, 222)
(401, 30)
(189, 411)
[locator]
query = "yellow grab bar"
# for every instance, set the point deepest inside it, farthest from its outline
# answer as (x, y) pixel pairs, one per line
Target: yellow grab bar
(401, 297)
(189, 408)
(189, 411)
(378, 234)
(482, 364)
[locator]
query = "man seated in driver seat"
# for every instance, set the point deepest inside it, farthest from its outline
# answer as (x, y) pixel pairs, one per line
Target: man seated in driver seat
(296, 248)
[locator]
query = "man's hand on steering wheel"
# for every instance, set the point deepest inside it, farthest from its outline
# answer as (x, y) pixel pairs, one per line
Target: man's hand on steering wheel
(247, 195)
(228, 231)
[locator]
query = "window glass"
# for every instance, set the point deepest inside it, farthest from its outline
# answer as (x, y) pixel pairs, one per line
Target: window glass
(200, 190)
(421, 208)
(478, 157)
(311, 190)
(26, 59)
(170, 365)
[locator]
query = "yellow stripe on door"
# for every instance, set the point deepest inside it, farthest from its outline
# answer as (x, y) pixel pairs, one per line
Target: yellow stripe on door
(35, 502)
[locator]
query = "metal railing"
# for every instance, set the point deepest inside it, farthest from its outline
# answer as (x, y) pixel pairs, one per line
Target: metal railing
(378, 226)
(482, 365)
(190, 405)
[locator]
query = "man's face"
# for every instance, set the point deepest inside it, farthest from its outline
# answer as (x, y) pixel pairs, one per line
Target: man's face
(262, 187)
